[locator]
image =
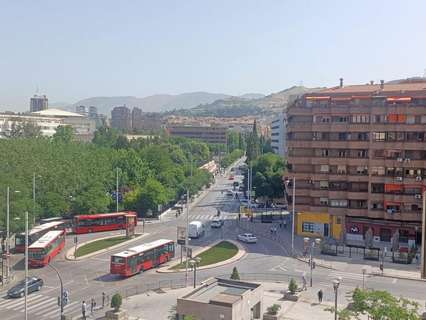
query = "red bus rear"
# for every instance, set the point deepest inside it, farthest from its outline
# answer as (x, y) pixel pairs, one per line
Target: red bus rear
(144, 257)
(41, 252)
(104, 222)
(36, 233)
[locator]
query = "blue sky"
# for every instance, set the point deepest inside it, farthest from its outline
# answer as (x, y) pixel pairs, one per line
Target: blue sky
(77, 49)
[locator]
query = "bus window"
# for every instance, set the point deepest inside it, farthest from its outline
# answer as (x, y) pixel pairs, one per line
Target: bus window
(119, 260)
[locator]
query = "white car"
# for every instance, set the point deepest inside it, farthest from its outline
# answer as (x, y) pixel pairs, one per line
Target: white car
(216, 223)
(247, 238)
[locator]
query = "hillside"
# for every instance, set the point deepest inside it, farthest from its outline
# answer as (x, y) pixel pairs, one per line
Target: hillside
(156, 103)
(238, 106)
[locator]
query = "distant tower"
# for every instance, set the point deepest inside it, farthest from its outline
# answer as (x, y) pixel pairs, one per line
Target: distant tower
(38, 103)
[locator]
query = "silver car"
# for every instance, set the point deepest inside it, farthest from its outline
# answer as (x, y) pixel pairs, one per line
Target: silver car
(247, 238)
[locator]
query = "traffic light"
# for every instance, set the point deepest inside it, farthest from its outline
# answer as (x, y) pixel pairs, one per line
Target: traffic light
(65, 298)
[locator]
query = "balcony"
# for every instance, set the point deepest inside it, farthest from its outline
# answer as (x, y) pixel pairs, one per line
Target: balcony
(300, 159)
(357, 195)
(299, 143)
(357, 212)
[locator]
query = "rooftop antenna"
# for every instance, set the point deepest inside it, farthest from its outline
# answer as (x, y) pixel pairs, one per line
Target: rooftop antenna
(37, 90)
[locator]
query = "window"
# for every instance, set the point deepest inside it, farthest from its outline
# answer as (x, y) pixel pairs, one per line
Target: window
(363, 154)
(308, 227)
(410, 120)
(360, 118)
(378, 171)
(324, 152)
(342, 154)
(379, 136)
(117, 259)
(324, 168)
(323, 184)
(380, 118)
(341, 169)
(339, 203)
(324, 201)
(362, 170)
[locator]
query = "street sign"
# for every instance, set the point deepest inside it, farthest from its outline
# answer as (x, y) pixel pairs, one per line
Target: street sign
(181, 235)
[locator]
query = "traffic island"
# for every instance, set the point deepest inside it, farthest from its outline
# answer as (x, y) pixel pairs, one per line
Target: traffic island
(100, 245)
(217, 254)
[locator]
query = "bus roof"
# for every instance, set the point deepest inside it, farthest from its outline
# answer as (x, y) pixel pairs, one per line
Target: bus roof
(104, 215)
(46, 239)
(43, 227)
(141, 248)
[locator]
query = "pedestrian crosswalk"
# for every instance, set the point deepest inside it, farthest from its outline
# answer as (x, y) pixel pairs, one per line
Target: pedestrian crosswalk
(281, 267)
(207, 217)
(347, 275)
(38, 306)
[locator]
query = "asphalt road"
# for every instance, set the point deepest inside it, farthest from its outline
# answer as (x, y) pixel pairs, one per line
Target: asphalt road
(266, 259)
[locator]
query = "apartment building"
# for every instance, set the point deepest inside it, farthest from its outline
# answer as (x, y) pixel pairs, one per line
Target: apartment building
(121, 118)
(278, 135)
(358, 154)
(209, 134)
(38, 103)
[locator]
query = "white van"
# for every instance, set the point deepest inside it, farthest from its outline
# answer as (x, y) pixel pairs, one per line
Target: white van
(196, 229)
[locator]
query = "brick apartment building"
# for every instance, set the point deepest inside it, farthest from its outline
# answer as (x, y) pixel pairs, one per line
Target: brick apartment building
(121, 118)
(358, 154)
(209, 134)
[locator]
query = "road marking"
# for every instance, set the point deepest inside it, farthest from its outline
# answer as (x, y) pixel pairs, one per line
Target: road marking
(394, 281)
(42, 304)
(48, 308)
(30, 303)
(347, 275)
(14, 303)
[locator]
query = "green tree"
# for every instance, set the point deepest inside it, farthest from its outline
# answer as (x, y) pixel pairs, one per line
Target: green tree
(25, 130)
(235, 274)
(292, 286)
(116, 301)
(64, 134)
(105, 137)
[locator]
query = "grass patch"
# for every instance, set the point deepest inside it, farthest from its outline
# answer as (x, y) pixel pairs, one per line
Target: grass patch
(222, 251)
(99, 245)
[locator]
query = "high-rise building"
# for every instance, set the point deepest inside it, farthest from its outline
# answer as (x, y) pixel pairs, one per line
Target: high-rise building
(81, 110)
(38, 103)
(137, 123)
(358, 155)
(278, 135)
(93, 112)
(209, 134)
(121, 118)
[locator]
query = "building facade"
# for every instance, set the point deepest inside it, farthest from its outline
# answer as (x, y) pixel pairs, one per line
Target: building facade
(121, 118)
(137, 123)
(209, 134)
(358, 154)
(38, 103)
(278, 135)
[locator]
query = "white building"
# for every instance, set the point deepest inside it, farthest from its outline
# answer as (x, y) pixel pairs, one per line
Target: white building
(278, 135)
(48, 120)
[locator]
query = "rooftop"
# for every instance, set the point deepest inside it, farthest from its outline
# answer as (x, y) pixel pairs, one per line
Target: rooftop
(56, 113)
(404, 88)
(221, 291)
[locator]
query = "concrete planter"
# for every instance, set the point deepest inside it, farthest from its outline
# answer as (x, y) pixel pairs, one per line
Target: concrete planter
(291, 297)
(268, 316)
(116, 315)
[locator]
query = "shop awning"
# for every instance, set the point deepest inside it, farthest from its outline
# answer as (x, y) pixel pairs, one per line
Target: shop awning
(398, 99)
(318, 98)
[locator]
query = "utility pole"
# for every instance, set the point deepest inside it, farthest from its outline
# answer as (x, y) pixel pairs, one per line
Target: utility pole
(7, 232)
(293, 215)
(34, 196)
(187, 225)
(26, 264)
(116, 192)
(423, 252)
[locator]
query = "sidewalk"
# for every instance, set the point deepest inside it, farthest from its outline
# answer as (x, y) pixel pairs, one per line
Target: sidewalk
(353, 264)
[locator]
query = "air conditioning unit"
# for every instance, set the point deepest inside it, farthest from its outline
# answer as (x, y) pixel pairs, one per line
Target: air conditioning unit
(398, 178)
(399, 159)
(418, 196)
(390, 211)
(418, 178)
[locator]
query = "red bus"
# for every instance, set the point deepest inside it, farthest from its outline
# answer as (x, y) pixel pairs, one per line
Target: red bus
(41, 252)
(143, 257)
(104, 222)
(36, 233)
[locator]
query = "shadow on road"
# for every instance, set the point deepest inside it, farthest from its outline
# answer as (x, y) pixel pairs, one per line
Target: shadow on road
(109, 278)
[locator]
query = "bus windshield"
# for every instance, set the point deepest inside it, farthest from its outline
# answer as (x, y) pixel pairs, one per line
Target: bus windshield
(36, 254)
(117, 259)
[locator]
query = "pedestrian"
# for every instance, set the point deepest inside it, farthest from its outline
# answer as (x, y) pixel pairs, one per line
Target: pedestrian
(285, 224)
(304, 283)
(320, 295)
(417, 258)
(281, 225)
(103, 300)
(83, 310)
(92, 305)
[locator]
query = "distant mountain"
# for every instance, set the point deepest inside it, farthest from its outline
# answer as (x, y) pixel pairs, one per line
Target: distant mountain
(242, 106)
(158, 102)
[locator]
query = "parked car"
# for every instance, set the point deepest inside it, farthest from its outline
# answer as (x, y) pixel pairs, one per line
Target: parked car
(33, 284)
(216, 223)
(247, 238)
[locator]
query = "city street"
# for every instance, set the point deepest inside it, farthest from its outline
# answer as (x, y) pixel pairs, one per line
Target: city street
(265, 260)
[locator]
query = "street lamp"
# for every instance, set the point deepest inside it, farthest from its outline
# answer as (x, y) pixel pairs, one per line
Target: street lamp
(336, 284)
(61, 299)
(292, 212)
(364, 271)
(26, 264)
(194, 262)
(7, 230)
(317, 241)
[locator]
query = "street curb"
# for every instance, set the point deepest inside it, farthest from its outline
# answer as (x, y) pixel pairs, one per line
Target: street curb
(240, 254)
(70, 253)
(395, 277)
(317, 264)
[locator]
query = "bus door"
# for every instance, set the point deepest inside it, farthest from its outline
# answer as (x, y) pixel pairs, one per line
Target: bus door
(132, 262)
(157, 255)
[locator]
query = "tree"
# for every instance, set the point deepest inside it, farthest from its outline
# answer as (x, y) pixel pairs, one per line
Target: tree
(25, 130)
(116, 301)
(273, 309)
(292, 286)
(105, 137)
(235, 275)
(379, 305)
(64, 134)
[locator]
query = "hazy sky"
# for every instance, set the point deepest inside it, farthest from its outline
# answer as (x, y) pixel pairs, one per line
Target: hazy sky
(77, 49)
